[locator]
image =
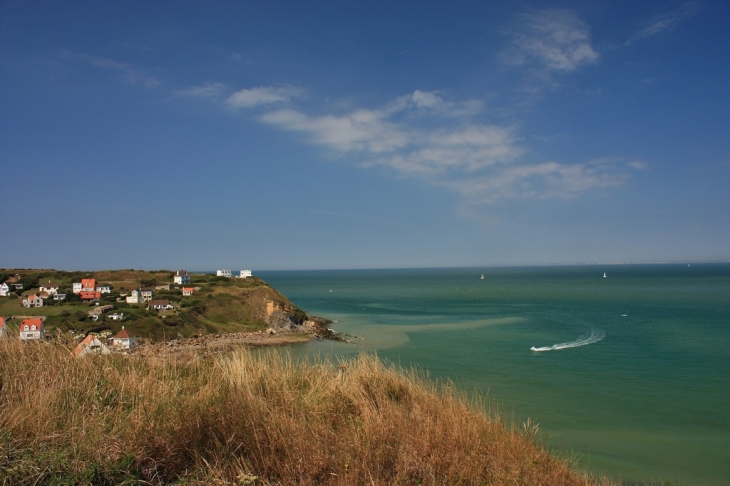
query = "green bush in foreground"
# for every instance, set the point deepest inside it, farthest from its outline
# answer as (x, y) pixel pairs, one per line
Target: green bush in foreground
(249, 418)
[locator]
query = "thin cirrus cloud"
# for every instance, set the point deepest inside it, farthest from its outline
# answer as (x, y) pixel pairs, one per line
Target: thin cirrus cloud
(209, 90)
(552, 40)
(249, 98)
(128, 72)
(665, 22)
(423, 136)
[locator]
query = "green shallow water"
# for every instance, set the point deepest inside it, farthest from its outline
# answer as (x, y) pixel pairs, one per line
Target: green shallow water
(641, 393)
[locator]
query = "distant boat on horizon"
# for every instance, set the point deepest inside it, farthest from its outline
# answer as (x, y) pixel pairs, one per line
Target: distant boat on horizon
(604, 275)
(482, 277)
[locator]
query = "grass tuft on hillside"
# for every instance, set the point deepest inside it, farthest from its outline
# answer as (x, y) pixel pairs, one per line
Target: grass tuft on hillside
(250, 418)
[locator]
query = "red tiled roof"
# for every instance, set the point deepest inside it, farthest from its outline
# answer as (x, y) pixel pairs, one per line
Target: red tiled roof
(123, 334)
(35, 320)
(2, 321)
(86, 341)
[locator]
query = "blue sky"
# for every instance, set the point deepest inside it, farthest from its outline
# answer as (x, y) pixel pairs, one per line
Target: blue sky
(299, 135)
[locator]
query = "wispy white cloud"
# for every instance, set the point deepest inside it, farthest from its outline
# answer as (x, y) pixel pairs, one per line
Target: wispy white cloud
(208, 90)
(418, 136)
(128, 72)
(665, 22)
(545, 180)
(249, 98)
(552, 40)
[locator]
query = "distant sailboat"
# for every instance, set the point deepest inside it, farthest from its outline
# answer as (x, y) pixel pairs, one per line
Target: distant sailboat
(604, 275)
(482, 277)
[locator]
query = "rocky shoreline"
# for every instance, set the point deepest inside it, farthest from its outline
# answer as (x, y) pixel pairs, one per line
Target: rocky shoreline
(287, 332)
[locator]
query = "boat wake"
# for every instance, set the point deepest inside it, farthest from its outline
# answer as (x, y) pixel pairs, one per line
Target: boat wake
(595, 336)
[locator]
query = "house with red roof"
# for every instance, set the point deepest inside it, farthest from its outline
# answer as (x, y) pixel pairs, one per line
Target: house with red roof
(32, 329)
(188, 290)
(89, 295)
(124, 340)
(91, 345)
(33, 300)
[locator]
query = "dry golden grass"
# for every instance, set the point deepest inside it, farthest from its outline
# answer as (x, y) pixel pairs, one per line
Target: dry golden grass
(250, 418)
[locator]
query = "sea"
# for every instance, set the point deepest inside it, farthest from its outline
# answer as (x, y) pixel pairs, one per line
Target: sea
(624, 367)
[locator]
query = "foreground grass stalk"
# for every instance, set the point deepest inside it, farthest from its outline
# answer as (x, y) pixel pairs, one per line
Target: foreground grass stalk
(246, 418)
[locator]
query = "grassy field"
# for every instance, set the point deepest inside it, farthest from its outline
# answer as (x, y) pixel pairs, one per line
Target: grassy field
(246, 418)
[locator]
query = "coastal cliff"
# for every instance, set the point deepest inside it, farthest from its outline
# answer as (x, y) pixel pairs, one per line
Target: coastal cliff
(209, 305)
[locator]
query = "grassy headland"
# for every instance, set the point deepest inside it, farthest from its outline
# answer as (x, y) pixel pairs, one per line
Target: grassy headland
(217, 305)
(250, 418)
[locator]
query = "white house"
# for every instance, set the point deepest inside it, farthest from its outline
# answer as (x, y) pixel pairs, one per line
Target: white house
(4, 289)
(146, 294)
(182, 277)
(160, 305)
(124, 340)
(104, 289)
(33, 301)
(31, 329)
(3, 328)
(245, 274)
(117, 317)
(91, 345)
(223, 273)
(51, 288)
(135, 297)
(187, 290)
(77, 287)
(59, 296)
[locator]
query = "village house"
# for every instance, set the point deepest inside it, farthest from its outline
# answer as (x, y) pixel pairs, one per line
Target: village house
(51, 288)
(163, 287)
(187, 290)
(89, 295)
(19, 285)
(182, 277)
(223, 273)
(3, 328)
(159, 305)
(245, 274)
(33, 300)
(104, 289)
(43, 295)
(117, 317)
(32, 329)
(91, 345)
(59, 296)
(146, 294)
(135, 297)
(4, 289)
(86, 285)
(124, 340)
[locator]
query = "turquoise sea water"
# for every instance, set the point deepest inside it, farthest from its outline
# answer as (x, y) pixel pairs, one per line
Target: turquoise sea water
(633, 372)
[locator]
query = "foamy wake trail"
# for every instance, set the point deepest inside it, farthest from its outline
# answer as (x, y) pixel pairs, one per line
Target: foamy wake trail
(595, 336)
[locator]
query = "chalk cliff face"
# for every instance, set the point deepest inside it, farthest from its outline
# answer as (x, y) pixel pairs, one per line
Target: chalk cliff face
(283, 317)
